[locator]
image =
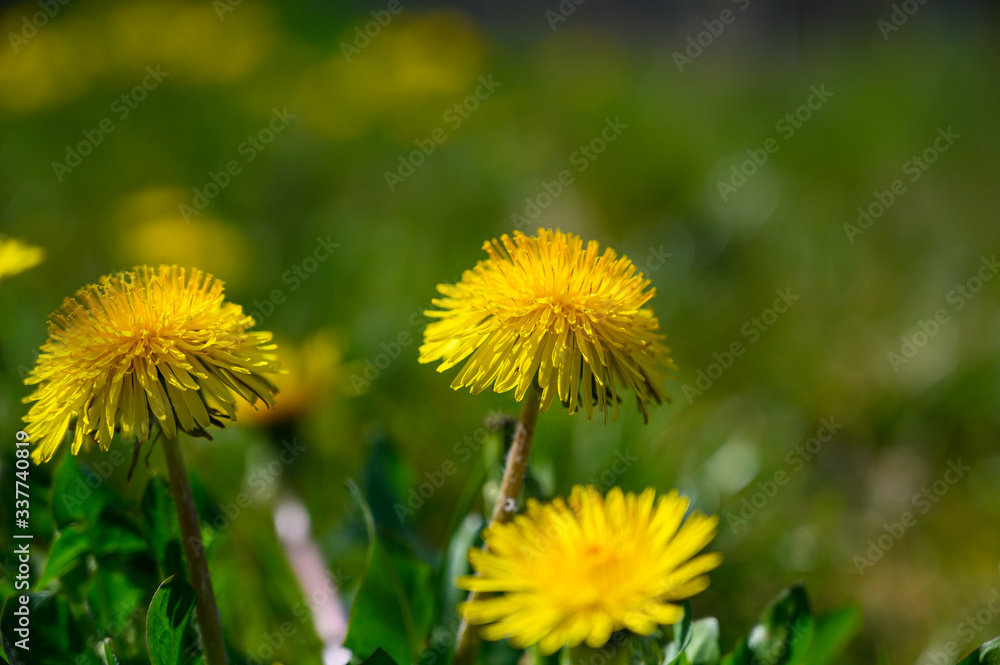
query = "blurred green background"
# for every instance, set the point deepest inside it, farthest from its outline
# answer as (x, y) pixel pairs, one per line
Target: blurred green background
(351, 114)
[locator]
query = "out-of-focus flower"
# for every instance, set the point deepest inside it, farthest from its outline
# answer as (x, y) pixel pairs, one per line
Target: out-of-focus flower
(312, 371)
(187, 40)
(150, 230)
(158, 341)
(410, 74)
(16, 256)
(569, 573)
(543, 310)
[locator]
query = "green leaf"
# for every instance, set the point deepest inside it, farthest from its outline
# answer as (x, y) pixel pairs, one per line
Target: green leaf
(703, 648)
(783, 635)
(78, 493)
(248, 561)
(987, 654)
(380, 657)
(109, 655)
(161, 528)
(831, 634)
(168, 615)
(682, 637)
(393, 608)
(119, 590)
(69, 550)
(464, 527)
(454, 562)
(473, 487)
(55, 637)
(114, 532)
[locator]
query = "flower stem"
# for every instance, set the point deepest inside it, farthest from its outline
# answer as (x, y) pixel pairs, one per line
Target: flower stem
(209, 622)
(467, 641)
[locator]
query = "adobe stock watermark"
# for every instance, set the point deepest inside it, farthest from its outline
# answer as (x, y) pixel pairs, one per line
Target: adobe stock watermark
(608, 478)
(914, 167)
(795, 460)
(223, 7)
(121, 108)
(453, 117)
(30, 25)
(442, 641)
(388, 353)
(580, 159)
(258, 482)
(95, 474)
(900, 14)
(252, 146)
(364, 34)
(373, 367)
(923, 501)
(958, 298)
(699, 43)
(294, 277)
(464, 449)
(303, 612)
(752, 331)
(655, 258)
(562, 13)
(966, 630)
(786, 126)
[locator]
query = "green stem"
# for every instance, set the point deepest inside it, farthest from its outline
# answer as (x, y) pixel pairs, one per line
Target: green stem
(209, 622)
(467, 641)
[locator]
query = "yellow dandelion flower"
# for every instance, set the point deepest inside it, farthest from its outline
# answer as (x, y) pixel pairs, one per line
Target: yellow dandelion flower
(158, 341)
(545, 310)
(16, 256)
(575, 572)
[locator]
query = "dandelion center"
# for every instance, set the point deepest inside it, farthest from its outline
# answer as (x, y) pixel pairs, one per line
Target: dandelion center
(576, 571)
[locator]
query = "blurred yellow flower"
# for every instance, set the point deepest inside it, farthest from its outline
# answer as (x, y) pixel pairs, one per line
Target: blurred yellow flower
(310, 371)
(408, 72)
(148, 229)
(543, 310)
(16, 256)
(575, 572)
(194, 42)
(150, 340)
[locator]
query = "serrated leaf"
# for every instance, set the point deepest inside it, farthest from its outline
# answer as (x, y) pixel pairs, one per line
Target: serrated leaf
(168, 616)
(987, 654)
(68, 551)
